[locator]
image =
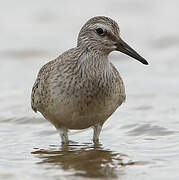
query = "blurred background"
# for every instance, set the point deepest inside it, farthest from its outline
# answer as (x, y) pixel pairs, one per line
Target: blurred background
(141, 137)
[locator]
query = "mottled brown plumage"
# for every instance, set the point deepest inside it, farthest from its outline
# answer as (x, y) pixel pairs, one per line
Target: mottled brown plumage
(81, 88)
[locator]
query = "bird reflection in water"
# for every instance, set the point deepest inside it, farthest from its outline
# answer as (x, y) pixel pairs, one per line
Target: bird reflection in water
(87, 160)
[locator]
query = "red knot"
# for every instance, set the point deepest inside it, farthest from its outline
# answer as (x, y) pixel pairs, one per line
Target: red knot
(81, 88)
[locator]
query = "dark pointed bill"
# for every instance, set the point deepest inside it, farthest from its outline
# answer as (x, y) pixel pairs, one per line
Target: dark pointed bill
(126, 49)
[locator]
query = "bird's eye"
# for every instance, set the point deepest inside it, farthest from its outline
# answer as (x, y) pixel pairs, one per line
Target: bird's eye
(100, 31)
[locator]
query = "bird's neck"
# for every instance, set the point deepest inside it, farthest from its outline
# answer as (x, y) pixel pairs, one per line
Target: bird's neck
(94, 63)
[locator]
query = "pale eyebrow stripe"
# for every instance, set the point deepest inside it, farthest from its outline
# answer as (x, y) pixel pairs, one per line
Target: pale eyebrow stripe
(98, 25)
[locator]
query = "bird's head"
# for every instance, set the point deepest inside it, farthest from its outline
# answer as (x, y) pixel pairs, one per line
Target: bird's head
(102, 34)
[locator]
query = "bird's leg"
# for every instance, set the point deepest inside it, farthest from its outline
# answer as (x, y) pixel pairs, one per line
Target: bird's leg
(97, 129)
(64, 135)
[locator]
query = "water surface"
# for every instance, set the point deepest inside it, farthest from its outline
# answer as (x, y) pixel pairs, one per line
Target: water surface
(139, 141)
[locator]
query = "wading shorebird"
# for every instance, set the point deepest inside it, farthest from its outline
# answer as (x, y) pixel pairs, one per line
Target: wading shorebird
(81, 88)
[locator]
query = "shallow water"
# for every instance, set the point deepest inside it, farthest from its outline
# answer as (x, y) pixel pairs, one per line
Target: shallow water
(139, 141)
